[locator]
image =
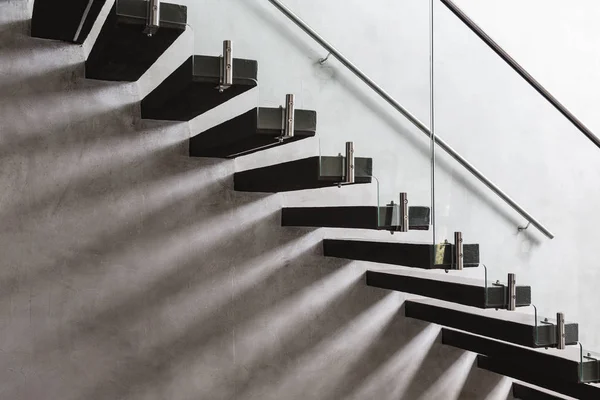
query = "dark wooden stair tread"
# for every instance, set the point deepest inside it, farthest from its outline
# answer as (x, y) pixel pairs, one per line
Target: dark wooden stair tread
(123, 52)
(353, 217)
(307, 173)
(255, 130)
(459, 290)
(582, 391)
(564, 365)
(513, 327)
(414, 255)
(191, 90)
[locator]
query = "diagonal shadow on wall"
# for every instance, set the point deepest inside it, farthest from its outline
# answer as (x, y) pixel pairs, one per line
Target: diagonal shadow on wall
(480, 384)
(201, 336)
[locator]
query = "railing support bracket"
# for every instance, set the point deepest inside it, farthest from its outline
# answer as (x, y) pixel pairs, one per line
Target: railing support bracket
(287, 118)
(403, 212)
(512, 292)
(349, 175)
(153, 18)
(458, 251)
(226, 68)
(561, 334)
(324, 60)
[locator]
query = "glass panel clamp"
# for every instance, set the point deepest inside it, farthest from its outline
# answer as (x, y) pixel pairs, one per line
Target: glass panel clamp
(153, 18)
(458, 252)
(348, 171)
(287, 118)
(226, 67)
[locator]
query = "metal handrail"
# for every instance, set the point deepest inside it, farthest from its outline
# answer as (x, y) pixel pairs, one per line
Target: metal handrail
(521, 71)
(414, 120)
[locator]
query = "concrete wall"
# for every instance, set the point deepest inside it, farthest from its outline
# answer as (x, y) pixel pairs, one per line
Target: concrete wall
(130, 271)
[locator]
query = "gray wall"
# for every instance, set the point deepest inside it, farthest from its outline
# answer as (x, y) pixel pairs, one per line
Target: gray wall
(130, 271)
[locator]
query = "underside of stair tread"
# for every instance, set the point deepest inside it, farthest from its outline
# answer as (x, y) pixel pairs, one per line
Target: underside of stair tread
(355, 217)
(582, 391)
(66, 20)
(123, 52)
(523, 392)
(449, 288)
(191, 90)
(414, 255)
(561, 364)
(255, 130)
(513, 327)
(307, 173)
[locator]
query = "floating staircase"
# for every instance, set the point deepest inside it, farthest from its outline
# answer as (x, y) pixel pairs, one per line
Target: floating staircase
(133, 38)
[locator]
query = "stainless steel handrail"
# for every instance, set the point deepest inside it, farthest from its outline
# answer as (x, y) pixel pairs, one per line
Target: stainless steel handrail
(521, 71)
(414, 120)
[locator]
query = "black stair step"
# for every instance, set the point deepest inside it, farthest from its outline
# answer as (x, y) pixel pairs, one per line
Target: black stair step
(307, 173)
(425, 256)
(512, 327)
(123, 52)
(255, 130)
(66, 20)
(582, 391)
(191, 90)
(469, 292)
(523, 392)
(359, 217)
(561, 364)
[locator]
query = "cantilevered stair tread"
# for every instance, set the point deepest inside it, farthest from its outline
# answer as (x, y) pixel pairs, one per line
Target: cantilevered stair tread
(513, 327)
(523, 392)
(581, 391)
(414, 255)
(355, 217)
(255, 130)
(307, 173)
(561, 364)
(191, 90)
(123, 52)
(66, 20)
(459, 290)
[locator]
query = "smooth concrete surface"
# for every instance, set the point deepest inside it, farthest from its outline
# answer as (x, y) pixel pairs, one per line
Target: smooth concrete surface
(130, 271)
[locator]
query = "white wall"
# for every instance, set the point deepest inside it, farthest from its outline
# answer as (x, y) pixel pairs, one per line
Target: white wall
(130, 271)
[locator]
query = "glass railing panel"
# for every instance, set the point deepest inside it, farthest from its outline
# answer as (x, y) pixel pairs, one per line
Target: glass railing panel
(388, 35)
(388, 42)
(496, 122)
